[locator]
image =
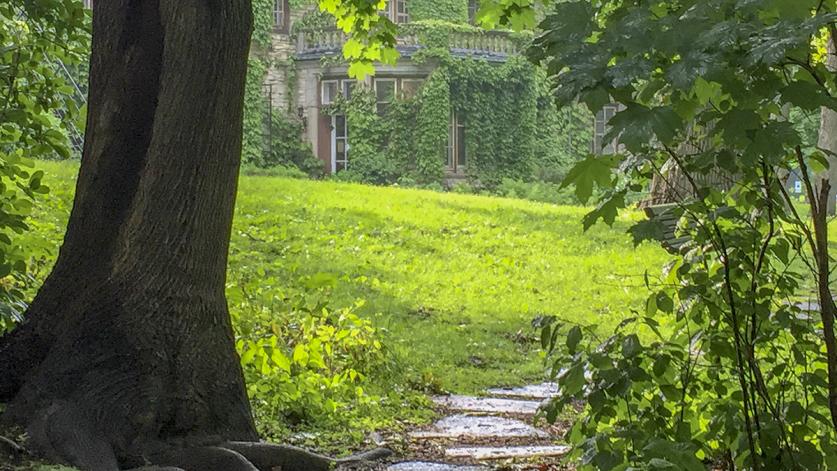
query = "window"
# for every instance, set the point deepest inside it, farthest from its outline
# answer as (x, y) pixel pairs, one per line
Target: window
(410, 88)
(603, 117)
(329, 92)
(88, 4)
(473, 8)
(339, 143)
(456, 155)
(401, 15)
(385, 91)
(348, 87)
(396, 11)
(280, 15)
(331, 89)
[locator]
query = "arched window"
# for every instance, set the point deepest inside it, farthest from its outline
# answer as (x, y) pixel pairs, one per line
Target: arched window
(281, 11)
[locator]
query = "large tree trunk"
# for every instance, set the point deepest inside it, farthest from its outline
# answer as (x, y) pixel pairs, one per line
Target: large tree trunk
(128, 345)
(127, 354)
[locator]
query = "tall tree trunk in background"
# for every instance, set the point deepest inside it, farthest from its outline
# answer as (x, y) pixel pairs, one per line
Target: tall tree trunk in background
(128, 346)
(828, 135)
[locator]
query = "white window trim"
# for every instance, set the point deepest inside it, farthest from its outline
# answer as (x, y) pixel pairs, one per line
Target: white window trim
(452, 145)
(334, 139)
(323, 94)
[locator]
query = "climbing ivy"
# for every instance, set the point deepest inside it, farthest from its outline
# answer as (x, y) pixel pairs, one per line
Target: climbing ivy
(499, 106)
(262, 22)
(431, 127)
(454, 11)
(255, 109)
(513, 130)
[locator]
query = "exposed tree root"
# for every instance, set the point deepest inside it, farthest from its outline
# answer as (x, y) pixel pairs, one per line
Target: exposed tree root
(266, 457)
(157, 468)
(62, 433)
(61, 436)
(10, 451)
(206, 458)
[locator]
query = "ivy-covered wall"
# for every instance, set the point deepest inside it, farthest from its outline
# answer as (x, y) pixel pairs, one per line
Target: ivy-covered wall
(513, 129)
(454, 11)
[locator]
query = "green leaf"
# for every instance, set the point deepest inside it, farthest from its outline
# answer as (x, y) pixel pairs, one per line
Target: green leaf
(637, 126)
(680, 454)
(808, 96)
(607, 210)
(631, 346)
(574, 336)
(572, 380)
(589, 172)
(361, 69)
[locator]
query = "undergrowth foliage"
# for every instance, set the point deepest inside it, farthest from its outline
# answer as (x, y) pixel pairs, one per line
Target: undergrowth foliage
(37, 110)
(303, 360)
(724, 366)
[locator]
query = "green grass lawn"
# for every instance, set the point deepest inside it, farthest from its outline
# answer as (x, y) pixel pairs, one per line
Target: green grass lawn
(455, 280)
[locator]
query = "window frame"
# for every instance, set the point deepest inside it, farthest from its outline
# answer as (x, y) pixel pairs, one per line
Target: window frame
(419, 83)
(601, 128)
(393, 97)
(454, 162)
(283, 8)
(335, 138)
(331, 99)
(395, 14)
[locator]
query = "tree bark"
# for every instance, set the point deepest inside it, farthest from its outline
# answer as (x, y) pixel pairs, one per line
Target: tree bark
(827, 141)
(128, 347)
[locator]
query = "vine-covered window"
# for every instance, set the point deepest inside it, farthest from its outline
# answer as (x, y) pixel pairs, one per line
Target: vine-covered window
(410, 88)
(396, 11)
(281, 8)
(385, 91)
(457, 158)
(473, 8)
(603, 117)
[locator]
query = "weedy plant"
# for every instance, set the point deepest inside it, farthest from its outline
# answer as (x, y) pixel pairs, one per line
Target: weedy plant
(303, 360)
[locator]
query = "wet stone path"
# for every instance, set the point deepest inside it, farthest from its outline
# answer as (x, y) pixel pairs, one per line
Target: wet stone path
(486, 433)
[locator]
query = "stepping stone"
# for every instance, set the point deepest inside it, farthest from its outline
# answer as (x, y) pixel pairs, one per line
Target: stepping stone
(427, 466)
(499, 453)
(533, 391)
(487, 404)
(479, 427)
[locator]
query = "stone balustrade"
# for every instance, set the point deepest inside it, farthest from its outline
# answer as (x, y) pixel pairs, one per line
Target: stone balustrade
(496, 44)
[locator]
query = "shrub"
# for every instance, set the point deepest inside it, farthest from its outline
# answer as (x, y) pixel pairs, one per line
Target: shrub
(281, 171)
(302, 359)
(288, 148)
(544, 192)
